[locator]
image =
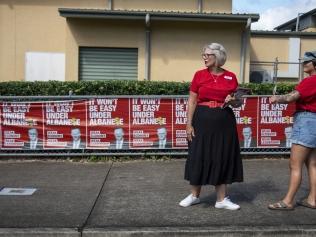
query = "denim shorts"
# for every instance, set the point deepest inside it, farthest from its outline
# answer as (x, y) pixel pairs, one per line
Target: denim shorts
(304, 129)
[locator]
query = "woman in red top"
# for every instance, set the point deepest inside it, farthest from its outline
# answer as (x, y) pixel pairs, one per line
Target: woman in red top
(303, 136)
(214, 154)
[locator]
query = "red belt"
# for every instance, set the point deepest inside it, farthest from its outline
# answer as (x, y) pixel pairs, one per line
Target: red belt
(211, 104)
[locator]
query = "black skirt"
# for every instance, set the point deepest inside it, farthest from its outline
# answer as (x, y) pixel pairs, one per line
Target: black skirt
(214, 153)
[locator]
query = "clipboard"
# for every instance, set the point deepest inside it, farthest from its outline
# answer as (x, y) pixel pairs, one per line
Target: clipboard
(238, 94)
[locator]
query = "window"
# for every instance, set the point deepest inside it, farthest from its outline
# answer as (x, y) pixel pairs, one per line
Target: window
(44, 66)
(108, 63)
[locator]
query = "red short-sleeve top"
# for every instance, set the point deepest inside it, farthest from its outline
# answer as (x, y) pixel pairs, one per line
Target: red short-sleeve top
(213, 87)
(307, 90)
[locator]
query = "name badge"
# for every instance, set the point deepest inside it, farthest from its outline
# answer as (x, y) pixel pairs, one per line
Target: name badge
(228, 77)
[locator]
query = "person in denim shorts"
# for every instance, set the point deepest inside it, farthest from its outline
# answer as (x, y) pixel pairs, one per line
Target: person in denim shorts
(303, 136)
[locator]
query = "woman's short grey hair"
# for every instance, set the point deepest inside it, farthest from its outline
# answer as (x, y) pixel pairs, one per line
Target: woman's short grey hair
(219, 51)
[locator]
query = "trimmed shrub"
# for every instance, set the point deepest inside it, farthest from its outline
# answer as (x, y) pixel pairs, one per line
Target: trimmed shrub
(117, 87)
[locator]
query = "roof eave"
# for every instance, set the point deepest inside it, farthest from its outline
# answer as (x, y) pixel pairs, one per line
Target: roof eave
(165, 16)
(282, 33)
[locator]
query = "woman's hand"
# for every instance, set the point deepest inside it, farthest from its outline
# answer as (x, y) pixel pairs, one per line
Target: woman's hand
(288, 98)
(229, 98)
(190, 132)
(273, 99)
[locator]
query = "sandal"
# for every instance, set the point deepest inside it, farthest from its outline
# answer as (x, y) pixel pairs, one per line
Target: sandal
(304, 203)
(280, 206)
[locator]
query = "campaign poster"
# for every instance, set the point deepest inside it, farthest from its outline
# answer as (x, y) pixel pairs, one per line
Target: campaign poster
(108, 123)
(151, 123)
(22, 125)
(246, 119)
(179, 136)
(0, 125)
(275, 123)
(65, 125)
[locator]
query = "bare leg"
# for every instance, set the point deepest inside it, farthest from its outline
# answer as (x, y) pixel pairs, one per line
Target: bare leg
(196, 190)
(311, 167)
(221, 192)
(298, 156)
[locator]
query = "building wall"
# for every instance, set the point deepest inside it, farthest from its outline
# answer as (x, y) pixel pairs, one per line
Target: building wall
(101, 33)
(36, 26)
(310, 29)
(217, 6)
(32, 25)
(308, 44)
(174, 5)
(268, 47)
(7, 43)
(177, 48)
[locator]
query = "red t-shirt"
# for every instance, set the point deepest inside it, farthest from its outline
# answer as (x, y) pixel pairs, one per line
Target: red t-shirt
(307, 90)
(213, 87)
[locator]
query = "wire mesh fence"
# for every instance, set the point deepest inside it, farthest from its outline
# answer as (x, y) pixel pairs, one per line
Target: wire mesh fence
(275, 71)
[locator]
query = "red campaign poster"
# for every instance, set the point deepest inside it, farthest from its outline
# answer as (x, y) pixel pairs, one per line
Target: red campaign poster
(246, 118)
(151, 123)
(108, 123)
(179, 136)
(65, 125)
(275, 123)
(0, 125)
(22, 125)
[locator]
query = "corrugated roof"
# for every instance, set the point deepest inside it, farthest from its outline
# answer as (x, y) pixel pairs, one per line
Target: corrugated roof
(293, 21)
(154, 15)
(282, 33)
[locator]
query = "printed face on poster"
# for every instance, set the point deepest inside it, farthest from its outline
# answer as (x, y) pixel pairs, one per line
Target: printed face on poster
(275, 123)
(246, 118)
(22, 125)
(65, 125)
(108, 123)
(179, 136)
(150, 125)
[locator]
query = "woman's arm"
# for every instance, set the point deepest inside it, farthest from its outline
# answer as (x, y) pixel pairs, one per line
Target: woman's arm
(288, 98)
(191, 108)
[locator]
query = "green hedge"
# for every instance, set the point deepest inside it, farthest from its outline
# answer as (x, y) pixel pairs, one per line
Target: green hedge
(52, 88)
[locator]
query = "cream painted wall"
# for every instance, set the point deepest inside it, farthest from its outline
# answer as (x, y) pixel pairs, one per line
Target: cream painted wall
(161, 5)
(32, 25)
(267, 48)
(38, 28)
(310, 29)
(308, 44)
(35, 26)
(177, 48)
(100, 33)
(217, 6)
(174, 5)
(7, 43)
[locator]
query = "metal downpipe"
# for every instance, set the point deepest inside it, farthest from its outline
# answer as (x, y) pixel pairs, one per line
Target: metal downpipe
(244, 46)
(147, 48)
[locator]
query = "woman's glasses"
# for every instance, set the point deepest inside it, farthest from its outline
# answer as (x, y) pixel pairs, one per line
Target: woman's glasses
(207, 55)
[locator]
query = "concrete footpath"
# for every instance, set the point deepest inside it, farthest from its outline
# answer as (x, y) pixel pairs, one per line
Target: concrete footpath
(140, 198)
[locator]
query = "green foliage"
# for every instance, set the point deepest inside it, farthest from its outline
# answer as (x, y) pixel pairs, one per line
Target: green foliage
(115, 87)
(266, 89)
